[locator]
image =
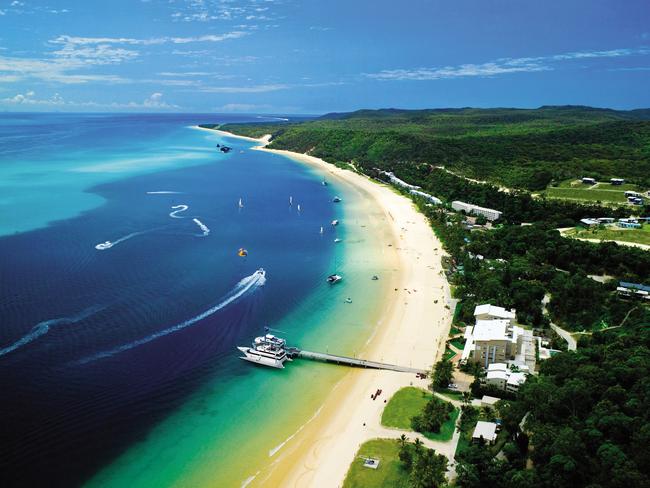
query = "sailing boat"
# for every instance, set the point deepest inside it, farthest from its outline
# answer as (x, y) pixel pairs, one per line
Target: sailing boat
(241, 203)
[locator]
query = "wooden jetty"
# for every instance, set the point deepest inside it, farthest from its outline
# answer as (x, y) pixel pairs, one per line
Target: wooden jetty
(294, 352)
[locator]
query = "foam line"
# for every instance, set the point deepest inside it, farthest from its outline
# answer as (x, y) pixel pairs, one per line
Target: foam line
(44, 327)
(202, 226)
(246, 285)
(163, 192)
(178, 209)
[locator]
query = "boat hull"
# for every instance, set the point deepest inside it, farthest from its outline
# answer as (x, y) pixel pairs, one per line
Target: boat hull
(261, 360)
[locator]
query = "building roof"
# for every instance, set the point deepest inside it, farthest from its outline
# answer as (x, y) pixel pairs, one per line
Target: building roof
(494, 311)
(497, 367)
(490, 330)
(636, 286)
(516, 378)
(497, 375)
(489, 400)
(486, 430)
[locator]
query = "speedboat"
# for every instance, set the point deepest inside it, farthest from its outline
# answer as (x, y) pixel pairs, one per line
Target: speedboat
(348, 300)
(104, 245)
(337, 240)
(335, 222)
(336, 199)
(331, 279)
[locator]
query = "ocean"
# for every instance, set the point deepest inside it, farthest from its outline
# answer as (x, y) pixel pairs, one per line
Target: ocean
(118, 366)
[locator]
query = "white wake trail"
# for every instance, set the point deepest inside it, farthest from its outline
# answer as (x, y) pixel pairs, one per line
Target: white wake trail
(202, 226)
(178, 209)
(44, 327)
(163, 192)
(248, 284)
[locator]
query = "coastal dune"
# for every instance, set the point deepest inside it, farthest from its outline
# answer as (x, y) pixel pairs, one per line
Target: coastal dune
(414, 324)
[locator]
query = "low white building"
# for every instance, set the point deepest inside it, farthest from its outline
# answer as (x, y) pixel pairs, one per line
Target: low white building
(396, 181)
(470, 208)
(485, 430)
(489, 401)
(426, 196)
(489, 312)
(504, 377)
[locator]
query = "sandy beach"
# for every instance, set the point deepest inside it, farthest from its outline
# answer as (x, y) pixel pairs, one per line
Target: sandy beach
(413, 330)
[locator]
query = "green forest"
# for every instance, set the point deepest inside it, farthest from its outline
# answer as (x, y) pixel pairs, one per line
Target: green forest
(518, 148)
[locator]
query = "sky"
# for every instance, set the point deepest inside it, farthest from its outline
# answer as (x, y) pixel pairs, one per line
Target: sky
(319, 56)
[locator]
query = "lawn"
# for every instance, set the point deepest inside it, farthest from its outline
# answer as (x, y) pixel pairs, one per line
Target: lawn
(454, 330)
(404, 404)
(611, 233)
(388, 474)
(605, 192)
(614, 196)
(458, 343)
(409, 402)
(448, 354)
(451, 394)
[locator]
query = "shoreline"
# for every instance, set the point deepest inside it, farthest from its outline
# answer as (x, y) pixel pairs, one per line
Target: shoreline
(412, 333)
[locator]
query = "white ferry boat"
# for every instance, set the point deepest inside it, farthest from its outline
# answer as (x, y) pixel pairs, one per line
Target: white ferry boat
(104, 245)
(267, 350)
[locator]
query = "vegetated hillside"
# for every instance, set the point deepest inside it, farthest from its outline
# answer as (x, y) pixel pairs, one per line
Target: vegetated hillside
(518, 148)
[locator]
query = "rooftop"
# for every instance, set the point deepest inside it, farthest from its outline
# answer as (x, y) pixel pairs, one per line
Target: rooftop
(494, 311)
(486, 430)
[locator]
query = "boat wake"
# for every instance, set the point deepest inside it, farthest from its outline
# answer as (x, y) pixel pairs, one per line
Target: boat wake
(44, 327)
(245, 286)
(163, 192)
(202, 226)
(108, 244)
(178, 209)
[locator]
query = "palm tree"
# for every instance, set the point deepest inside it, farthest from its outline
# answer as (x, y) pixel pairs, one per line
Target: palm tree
(418, 444)
(467, 397)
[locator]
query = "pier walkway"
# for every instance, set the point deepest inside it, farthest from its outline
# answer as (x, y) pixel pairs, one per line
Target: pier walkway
(294, 352)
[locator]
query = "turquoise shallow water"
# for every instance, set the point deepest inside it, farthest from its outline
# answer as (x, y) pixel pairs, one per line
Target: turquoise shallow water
(99, 392)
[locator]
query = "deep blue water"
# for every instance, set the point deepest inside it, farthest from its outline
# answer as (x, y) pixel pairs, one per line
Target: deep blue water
(70, 403)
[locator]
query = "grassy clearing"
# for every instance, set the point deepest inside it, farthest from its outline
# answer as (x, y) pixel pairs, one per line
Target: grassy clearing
(594, 195)
(454, 330)
(611, 233)
(389, 474)
(408, 402)
(448, 354)
(604, 192)
(403, 405)
(446, 429)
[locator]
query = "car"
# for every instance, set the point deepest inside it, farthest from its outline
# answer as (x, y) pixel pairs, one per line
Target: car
(452, 386)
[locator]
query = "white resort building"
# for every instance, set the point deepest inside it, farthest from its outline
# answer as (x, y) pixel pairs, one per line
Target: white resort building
(495, 338)
(486, 431)
(504, 377)
(470, 208)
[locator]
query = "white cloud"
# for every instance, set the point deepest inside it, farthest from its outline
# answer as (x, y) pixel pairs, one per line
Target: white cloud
(500, 66)
(28, 98)
(242, 107)
(245, 89)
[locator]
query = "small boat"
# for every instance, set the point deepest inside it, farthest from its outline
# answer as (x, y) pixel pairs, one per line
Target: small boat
(225, 149)
(241, 203)
(290, 200)
(375, 277)
(299, 208)
(104, 245)
(321, 229)
(331, 279)
(337, 240)
(335, 222)
(336, 199)
(324, 183)
(348, 300)
(242, 252)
